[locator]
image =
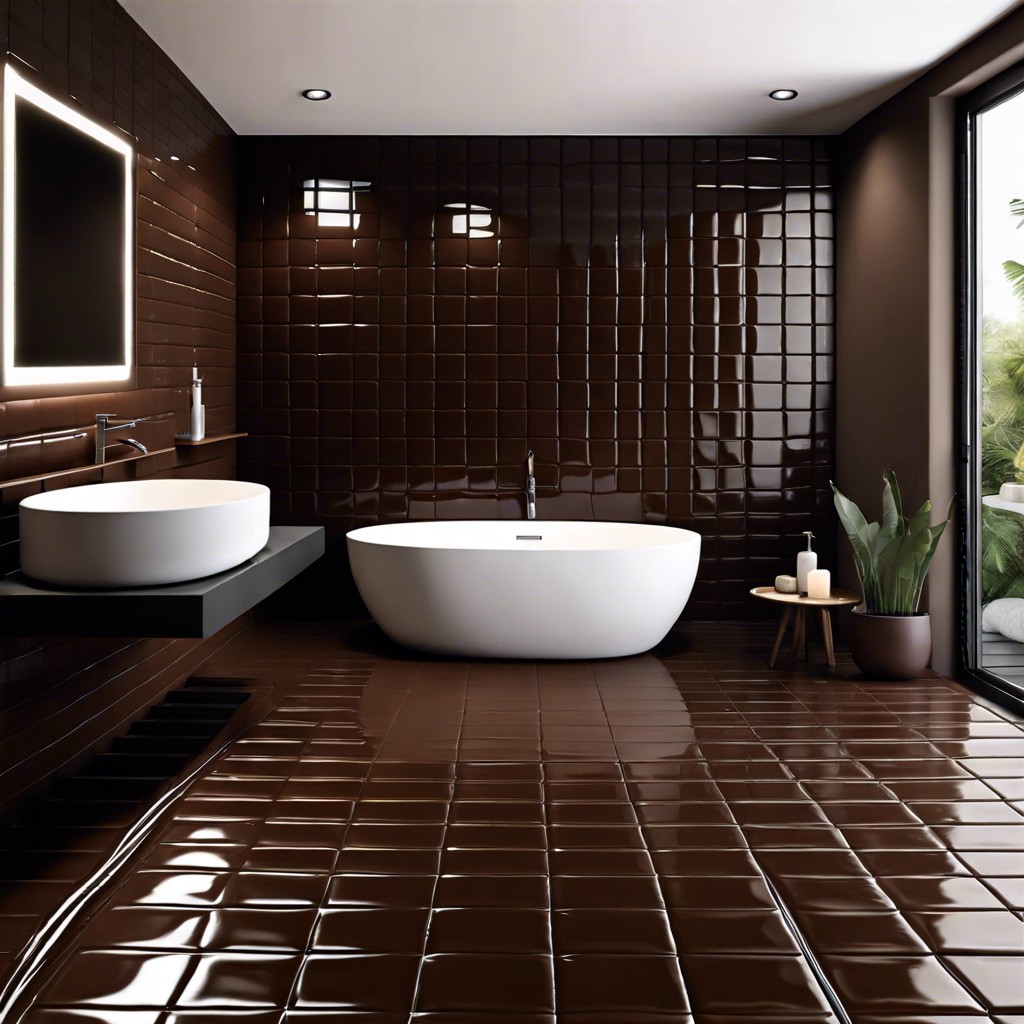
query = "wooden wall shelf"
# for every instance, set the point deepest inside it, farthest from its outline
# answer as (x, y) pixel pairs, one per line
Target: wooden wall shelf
(196, 608)
(81, 470)
(180, 442)
(93, 468)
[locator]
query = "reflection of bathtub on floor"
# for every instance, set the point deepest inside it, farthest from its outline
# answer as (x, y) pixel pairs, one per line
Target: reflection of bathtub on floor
(525, 589)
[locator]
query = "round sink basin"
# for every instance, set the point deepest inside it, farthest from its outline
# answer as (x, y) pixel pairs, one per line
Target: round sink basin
(142, 532)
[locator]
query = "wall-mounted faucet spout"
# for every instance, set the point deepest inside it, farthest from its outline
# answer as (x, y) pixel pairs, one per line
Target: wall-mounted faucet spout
(104, 427)
(531, 488)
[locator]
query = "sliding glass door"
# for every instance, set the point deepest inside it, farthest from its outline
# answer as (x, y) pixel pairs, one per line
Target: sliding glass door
(993, 122)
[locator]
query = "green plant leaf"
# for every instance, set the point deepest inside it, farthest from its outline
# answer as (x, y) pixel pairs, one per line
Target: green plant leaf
(1014, 272)
(862, 539)
(1017, 210)
(892, 504)
(893, 557)
(898, 570)
(936, 533)
(922, 518)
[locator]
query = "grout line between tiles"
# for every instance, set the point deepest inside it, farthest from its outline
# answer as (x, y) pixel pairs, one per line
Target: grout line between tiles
(309, 948)
(830, 994)
(647, 850)
(444, 839)
(547, 840)
(827, 991)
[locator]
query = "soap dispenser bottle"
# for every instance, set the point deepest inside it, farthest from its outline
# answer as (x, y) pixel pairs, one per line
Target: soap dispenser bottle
(197, 419)
(805, 562)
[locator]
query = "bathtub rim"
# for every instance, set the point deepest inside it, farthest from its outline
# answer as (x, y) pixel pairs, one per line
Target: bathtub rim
(680, 535)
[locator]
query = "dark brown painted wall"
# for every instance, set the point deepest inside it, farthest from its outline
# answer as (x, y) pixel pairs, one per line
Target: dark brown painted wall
(653, 318)
(59, 697)
(896, 312)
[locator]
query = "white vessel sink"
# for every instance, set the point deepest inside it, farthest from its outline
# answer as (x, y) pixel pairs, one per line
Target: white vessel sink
(142, 532)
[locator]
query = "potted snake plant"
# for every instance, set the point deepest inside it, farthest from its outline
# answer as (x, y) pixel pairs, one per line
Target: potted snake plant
(889, 637)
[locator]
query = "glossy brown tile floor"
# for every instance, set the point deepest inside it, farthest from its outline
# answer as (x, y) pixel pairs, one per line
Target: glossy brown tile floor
(584, 843)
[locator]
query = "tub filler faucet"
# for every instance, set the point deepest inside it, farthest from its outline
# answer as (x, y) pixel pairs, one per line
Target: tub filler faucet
(531, 488)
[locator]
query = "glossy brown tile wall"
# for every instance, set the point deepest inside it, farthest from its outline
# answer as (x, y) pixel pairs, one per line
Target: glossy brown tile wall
(653, 318)
(58, 698)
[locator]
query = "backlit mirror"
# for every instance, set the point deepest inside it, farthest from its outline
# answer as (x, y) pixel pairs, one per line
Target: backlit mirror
(68, 240)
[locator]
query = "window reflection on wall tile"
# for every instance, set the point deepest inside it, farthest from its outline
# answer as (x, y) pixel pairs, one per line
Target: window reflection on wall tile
(653, 317)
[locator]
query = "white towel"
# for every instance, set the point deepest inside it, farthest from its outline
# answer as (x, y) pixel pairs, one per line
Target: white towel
(1006, 616)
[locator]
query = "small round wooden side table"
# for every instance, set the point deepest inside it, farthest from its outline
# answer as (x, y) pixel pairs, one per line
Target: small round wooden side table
(795, 606)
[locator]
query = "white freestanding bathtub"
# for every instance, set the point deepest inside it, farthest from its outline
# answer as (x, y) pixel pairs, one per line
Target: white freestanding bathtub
(525, 589)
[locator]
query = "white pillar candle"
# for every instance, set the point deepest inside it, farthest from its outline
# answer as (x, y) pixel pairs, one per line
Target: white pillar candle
(819, 584)
(785, 584)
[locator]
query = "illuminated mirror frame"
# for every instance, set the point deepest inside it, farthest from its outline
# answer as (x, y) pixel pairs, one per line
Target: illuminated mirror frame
(32, 381)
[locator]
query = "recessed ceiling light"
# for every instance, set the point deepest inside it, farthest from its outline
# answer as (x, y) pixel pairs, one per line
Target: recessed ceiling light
(783, 94)
(175, 158)
(316, 94)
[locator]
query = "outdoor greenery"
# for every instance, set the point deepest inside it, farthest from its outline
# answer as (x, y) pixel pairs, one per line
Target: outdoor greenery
(1002, 461)
(892, 557)
(1015, 271)
(1002, 440)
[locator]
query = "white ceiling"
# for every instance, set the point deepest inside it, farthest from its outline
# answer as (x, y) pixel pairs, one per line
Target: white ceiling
(504, 67)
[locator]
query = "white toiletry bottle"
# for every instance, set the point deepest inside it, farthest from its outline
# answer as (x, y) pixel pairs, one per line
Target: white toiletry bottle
(197, 424)
(805, 562)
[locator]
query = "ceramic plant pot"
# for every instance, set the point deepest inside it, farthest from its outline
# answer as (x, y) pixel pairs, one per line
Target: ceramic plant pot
(891, 646)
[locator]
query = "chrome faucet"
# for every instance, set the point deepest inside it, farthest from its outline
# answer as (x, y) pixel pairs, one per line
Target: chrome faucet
(531, 488)
(103, 428)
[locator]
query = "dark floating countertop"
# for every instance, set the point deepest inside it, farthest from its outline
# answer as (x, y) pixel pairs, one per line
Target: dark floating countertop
(196, 608)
